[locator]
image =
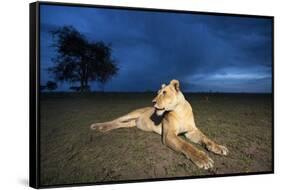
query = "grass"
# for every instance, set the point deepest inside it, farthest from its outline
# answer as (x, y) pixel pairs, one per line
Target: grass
(72, 153)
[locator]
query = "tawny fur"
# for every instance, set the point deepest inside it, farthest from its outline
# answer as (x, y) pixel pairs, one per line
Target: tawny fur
(171, 115)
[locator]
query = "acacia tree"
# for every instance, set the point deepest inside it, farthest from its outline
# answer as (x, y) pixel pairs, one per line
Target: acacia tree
(80, 60)
(107, 66)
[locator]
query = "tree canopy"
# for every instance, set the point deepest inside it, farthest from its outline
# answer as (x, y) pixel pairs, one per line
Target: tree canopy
(81, 60)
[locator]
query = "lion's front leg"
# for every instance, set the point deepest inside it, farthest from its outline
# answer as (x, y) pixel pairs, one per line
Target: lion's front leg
(173, 141)
(198, 157)
(197, 136)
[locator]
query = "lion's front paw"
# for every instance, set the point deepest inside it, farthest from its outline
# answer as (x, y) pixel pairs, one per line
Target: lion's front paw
(202, 160)
(219, 149)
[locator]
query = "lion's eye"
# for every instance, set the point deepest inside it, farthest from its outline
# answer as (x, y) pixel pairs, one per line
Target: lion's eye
(164, 92)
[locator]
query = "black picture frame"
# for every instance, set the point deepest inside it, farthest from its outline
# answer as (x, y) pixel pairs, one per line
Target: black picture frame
(34, 91)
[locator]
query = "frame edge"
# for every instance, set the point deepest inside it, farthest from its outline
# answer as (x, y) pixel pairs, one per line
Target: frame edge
(33, 131)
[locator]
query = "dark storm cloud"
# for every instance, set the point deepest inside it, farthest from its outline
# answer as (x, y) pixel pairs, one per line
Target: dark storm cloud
(219, 53)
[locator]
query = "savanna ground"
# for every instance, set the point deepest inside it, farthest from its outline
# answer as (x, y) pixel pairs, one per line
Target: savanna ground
(72, 153)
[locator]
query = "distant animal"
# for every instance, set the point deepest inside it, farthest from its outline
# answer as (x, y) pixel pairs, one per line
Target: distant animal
(170, 116)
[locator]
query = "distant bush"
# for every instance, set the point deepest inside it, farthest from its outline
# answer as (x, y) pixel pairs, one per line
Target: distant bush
(51, 85)
(78, 88)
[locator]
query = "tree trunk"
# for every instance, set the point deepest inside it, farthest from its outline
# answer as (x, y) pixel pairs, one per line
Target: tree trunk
(86, 83)
(82, 85)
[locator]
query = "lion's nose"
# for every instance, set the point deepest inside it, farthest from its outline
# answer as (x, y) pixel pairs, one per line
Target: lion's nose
(153, 101)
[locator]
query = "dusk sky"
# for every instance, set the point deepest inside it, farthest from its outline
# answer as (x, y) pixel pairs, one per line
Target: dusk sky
(204, 52)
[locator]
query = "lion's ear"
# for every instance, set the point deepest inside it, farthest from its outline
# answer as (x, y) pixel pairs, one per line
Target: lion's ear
(176, 84)
(163, 85)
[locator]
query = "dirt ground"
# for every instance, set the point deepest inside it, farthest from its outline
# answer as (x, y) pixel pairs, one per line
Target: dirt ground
(72, 153)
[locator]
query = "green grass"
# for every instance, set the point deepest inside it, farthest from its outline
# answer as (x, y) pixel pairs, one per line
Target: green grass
(72, 153)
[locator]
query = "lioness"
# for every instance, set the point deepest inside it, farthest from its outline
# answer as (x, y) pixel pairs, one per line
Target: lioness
(171, 115)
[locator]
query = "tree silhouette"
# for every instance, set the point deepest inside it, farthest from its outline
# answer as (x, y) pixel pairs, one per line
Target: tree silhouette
(80, 60)
(50, 85)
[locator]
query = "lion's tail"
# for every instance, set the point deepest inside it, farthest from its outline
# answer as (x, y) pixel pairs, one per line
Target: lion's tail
(128, 120)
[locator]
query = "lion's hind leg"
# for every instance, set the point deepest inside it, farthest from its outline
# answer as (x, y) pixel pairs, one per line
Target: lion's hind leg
(126, 121)
(102, 127)
(108, 126)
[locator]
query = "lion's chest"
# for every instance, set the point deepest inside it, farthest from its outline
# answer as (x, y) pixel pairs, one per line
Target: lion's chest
(181, 128)
(185, 123)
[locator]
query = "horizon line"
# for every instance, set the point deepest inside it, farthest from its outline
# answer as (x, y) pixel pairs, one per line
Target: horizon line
(185, 92)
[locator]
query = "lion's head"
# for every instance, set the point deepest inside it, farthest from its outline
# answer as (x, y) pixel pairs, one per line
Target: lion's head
(167, 98)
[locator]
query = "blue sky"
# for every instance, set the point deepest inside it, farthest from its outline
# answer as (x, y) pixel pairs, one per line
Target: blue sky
(204, 52)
